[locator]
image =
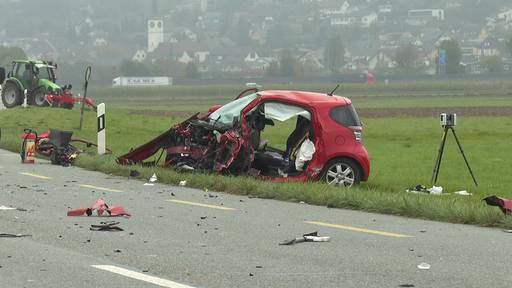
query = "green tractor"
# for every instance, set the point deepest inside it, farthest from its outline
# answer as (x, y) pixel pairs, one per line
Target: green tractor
(35, 78)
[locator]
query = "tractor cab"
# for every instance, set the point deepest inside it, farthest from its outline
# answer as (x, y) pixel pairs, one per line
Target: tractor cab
(31, 73)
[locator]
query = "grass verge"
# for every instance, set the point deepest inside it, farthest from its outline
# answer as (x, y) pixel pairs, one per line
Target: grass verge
(402, 152)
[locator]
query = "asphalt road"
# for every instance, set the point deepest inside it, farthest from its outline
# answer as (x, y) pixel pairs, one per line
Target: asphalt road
(198, 239)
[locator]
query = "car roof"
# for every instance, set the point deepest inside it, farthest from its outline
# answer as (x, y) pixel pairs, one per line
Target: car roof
(304, 98)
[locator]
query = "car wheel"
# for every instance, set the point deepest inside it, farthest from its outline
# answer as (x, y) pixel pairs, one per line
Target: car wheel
(39, 98)
(341, 172)
(11, 95)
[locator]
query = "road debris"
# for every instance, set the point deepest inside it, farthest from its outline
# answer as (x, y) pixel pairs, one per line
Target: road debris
(435, 190)
(505, 205)
(310, 237)
(417, 189)
(134, 173)
(8, 235)
(110, 226)
(463, 193)
(424, 266)
(152, 180)
(54, 144)
(100, 206)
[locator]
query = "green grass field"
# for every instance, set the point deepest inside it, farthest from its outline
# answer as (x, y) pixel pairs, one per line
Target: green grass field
(420, 94)
(402, 149)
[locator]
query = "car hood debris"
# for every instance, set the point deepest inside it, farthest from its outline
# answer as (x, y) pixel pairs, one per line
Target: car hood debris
(100, 207)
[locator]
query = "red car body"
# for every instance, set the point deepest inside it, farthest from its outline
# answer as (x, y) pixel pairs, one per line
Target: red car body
(231, 143)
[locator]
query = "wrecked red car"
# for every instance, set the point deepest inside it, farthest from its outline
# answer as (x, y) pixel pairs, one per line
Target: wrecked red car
(325, 144)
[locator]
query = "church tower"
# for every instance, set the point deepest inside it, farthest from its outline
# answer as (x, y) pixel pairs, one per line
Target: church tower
(155, 34)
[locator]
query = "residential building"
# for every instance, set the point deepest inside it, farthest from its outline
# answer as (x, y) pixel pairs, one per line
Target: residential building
(437, 14)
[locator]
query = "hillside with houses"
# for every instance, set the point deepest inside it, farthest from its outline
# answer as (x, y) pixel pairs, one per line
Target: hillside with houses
(212, 39)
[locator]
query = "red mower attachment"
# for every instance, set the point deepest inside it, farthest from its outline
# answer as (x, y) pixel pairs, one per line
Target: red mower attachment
(66, 100)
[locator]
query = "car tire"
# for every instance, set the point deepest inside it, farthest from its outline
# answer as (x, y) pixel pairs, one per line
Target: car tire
(38, 98)
(11, 95)
(342, 172)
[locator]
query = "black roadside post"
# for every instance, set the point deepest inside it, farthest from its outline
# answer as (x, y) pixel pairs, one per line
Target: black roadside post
(87, 77)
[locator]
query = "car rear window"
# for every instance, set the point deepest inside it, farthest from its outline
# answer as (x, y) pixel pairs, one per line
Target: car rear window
(346, 116)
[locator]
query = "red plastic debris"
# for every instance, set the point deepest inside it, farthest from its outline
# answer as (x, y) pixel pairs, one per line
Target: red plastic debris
(100, 206)
(504, 204)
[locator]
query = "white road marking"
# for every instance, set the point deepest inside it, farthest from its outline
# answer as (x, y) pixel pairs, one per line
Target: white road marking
(140, 276)
(99, 188)
(357, 229)
(201, 205)
(35, 175)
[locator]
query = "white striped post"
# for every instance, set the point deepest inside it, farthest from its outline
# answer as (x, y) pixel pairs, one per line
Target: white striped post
(101, 128)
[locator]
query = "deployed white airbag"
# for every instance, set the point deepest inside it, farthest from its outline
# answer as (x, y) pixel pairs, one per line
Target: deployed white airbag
(305, 153)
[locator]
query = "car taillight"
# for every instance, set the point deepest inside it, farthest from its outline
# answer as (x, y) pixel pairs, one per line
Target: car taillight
(358, 133)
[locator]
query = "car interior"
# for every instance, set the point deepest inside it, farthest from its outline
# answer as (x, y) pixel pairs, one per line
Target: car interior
(271, 161)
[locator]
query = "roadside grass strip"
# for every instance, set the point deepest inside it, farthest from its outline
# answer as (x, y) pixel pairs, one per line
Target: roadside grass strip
(202, 205)
(140, 276)
(35, 175)
(401, 157)
(361, 230)
(99, 188)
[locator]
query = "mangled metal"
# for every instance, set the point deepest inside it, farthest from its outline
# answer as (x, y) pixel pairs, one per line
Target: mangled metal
(54, 144)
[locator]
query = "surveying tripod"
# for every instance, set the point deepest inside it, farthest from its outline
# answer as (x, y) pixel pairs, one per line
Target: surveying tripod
(437, 166)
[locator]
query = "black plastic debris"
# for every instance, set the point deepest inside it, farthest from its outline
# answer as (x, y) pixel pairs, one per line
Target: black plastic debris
(110, 226)
(310, 237)
(134, 173)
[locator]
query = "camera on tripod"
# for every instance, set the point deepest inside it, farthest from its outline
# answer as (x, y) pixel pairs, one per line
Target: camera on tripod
(448, 119)
(448, 122)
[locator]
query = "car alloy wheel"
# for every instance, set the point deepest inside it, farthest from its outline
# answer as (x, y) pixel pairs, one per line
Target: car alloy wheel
(340, 174)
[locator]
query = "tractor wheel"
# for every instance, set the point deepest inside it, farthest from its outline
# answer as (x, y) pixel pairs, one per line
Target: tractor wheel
(38, 98)
(11, 95)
